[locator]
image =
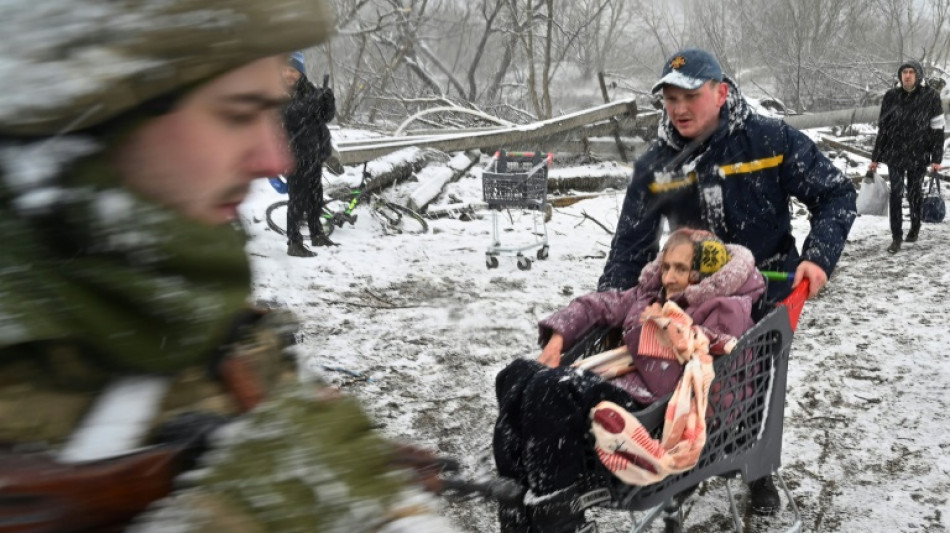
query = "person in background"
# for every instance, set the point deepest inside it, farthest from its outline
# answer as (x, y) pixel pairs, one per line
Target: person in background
(540, 433)
(306, 117)
(910, 142)
(718, 165)
(130, 133)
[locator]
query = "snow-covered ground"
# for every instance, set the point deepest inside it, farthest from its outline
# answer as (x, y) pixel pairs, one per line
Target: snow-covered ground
(417, 327)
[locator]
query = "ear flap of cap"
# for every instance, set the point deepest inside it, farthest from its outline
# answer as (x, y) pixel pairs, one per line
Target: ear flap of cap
(710, 256)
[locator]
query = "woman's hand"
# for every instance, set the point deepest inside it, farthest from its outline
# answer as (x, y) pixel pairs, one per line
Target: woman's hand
(655, 310)
(551, 354)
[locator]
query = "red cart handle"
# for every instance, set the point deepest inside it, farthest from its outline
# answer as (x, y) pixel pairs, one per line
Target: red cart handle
(795, 302)
(549, 157)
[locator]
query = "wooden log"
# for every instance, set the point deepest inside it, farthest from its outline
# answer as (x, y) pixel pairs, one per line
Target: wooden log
(387, 170)
(433, 182)
(842, 146)
(845, 117)
(455, 210)
(587, 179)
(564, 201)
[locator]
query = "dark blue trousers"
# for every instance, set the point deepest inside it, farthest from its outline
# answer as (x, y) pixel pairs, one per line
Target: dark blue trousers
(914, 175)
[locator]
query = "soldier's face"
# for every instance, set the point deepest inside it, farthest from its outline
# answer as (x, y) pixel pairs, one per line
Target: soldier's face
(200, 158)
(908, 78)
(696, 111)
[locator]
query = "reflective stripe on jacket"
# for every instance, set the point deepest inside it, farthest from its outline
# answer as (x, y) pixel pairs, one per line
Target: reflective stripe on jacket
(739, 185)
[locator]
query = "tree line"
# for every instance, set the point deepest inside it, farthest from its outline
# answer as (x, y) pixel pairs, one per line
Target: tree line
(524, 60)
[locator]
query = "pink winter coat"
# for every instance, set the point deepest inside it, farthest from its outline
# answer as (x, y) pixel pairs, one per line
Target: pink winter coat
(721, 304)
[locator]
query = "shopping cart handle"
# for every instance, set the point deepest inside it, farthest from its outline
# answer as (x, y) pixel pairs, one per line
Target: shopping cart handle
(795, 302)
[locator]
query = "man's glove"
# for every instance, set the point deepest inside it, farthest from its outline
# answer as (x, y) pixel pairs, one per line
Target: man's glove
(325, 105)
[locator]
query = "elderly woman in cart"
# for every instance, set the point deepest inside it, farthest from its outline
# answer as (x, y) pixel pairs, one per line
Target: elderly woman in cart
(540, 435)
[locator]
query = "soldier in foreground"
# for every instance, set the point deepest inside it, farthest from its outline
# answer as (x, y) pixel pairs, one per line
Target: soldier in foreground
(129, 135)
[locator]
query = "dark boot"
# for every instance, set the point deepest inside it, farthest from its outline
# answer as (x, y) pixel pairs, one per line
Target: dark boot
(297, 249)
(563, 511)
(894, 247)
(913, 233)
(321, 240)
(763, 495)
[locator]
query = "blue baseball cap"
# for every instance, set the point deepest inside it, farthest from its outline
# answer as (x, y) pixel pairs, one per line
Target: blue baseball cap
(296, 60)
(689, 69)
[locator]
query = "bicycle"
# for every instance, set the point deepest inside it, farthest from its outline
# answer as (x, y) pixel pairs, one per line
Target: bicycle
(394, 217)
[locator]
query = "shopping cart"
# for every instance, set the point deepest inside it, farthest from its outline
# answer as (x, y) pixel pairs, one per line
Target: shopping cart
(744, 421)
(519, 180)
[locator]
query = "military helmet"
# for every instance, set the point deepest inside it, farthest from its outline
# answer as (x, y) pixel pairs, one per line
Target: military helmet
(66, 66)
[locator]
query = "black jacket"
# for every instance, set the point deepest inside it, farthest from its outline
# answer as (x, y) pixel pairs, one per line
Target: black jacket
(910, 128)
(305, 119)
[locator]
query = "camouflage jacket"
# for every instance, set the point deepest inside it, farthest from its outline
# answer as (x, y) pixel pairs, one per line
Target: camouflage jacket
(97, 282)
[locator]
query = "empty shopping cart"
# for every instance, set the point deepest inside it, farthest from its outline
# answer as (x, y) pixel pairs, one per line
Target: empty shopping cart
(518, 180)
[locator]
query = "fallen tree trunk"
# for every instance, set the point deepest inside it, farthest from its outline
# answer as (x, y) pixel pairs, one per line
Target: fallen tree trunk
(564, 201)
(458, 210)
(563, 180)
(432, 185)
(845, 117)
(842, 146)
(387, 170)
(527, 135)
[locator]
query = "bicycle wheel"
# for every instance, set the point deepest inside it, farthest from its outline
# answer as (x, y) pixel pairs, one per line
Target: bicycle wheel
(276, 216)
(278, 211)
(400, 218)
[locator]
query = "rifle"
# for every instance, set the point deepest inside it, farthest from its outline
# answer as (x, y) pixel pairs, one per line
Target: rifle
(98, 480)
(39, 494)
(439, 475)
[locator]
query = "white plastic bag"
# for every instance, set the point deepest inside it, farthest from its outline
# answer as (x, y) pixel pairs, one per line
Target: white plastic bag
(874, 196)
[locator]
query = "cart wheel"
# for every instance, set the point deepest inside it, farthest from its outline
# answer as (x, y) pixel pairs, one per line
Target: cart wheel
(524, 263)
(671, 526)
(548, 212)
(491, 261)
(543, 252)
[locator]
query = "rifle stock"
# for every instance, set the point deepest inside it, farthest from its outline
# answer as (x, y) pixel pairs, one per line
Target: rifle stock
(39, 494)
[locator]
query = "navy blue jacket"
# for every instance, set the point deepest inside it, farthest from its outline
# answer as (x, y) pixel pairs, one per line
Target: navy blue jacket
(738, 184)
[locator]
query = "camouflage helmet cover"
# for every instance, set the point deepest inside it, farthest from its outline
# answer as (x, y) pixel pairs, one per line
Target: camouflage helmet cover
(71, 65)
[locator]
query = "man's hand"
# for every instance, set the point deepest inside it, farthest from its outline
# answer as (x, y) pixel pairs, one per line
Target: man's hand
(551, 354)
(935, 167)
(814, 274)
(873, 166)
